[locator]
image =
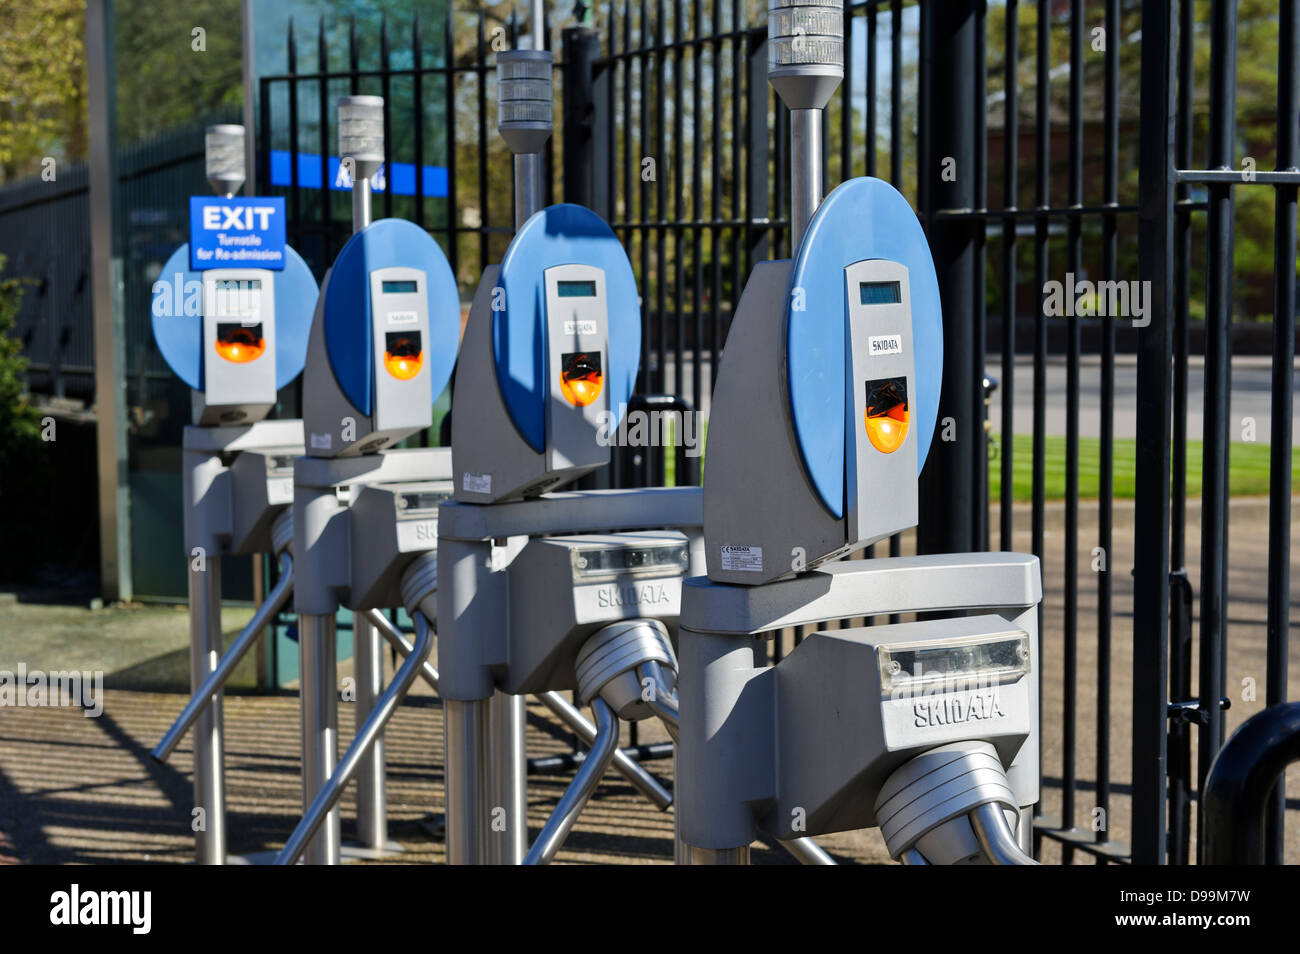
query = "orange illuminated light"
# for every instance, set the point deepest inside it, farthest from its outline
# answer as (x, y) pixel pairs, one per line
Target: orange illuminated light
(581, 380)
(887, 427)
(403, 366)
(240, 344)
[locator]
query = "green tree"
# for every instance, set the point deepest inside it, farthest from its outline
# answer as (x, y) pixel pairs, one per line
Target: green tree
(42, 84)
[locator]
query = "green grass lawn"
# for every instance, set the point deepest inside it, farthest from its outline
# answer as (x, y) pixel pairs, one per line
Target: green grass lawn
(1247, 468)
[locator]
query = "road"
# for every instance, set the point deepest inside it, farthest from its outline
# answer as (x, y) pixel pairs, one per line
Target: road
(1250, 397)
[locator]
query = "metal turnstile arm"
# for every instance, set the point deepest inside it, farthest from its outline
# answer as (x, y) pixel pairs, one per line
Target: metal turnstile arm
(249, 635)
(387, 704)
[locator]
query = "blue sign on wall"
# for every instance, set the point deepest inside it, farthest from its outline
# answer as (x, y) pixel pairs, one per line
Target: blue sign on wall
(236, 233)
(433, 178)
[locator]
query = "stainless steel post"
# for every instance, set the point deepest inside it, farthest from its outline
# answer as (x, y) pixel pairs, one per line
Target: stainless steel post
(539, 24)
(209, 818)
(507, 773)
(525, 121)
(318, 676)
(360, 203)
(361, 140)
(695, 855)
(805, 170)
(468, 818)
(372, 820)
(528, 186)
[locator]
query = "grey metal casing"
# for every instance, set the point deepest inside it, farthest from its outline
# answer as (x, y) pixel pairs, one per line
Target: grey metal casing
(262, 486)
(213, 519)
(323, 538)
(494, 609)
(492, 460)
(882, 497)
(233, 393)
(400, 407)
(334, 426)
(763, 519)
(755, 491)
(546, 631)
(757, 743)
(575, 324)
(838, 738)
(389, 526)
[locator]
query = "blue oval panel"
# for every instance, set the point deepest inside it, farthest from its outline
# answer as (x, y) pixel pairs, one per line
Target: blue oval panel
(560, 235)
(387, 243)
(861, 219)
(177, 317)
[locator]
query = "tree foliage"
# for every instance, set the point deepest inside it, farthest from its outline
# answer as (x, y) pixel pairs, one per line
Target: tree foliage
(42, 84)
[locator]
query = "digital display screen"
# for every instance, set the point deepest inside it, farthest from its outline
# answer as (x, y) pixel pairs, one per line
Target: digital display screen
(881, 293)
(238, 285)
(576, 289)
(399, 288)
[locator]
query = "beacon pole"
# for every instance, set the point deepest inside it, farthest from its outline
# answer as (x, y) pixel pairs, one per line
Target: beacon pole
(224, 154)
(361, 139)
(805, 51)
(524, 119)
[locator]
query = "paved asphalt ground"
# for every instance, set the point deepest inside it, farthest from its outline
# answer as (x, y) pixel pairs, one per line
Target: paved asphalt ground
(74, 789)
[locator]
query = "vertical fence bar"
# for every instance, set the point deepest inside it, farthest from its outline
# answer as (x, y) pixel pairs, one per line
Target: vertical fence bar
(1283, 384)
(646, 380)
(715, 195)
(980, 458)
(869, 120)
(1042, 202)
(654, 465)
(1010, 201)
(386, 91)
(896, 96)
(417, 111)
(323, 105)
(295, 195)
(1151, 496)
(757, 247)
(1218, 387)
(946, 495)
(1105, 490)
(697, 210)
(485, 218)
(1179, 743)
(1074, 257)
(679, 212)
(846, 101)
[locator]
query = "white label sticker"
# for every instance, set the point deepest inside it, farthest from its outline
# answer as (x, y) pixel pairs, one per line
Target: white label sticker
(744, 559)
(477, 483)
(321, 441)
(885, 344)
(587, 327)
(403, 317)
